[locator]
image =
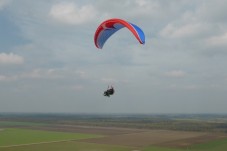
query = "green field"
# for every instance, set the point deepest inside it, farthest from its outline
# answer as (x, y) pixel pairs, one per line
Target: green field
(78, 146)
(152, 148)
(15, 139)
(69, 146)
(36, 140)
(24, 136)
(218, 145)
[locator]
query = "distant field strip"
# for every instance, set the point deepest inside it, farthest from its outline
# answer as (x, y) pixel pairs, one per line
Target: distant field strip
(151, 137)
(217, 145)
(10, 137)
(69, 146)
(14, 123)
(37, 143)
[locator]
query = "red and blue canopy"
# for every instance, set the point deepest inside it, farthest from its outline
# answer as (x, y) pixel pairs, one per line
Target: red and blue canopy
(109, 27)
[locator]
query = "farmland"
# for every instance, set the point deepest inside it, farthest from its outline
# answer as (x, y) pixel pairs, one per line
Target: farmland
(10, 137)
(112, 132)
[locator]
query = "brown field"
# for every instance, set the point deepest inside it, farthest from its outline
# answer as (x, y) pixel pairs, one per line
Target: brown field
(89, 129)
(138, 137)
(151, 137)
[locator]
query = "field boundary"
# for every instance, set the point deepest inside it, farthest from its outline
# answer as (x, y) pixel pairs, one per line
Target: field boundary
(48, 142)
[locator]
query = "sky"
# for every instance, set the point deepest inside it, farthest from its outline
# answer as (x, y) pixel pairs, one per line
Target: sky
(49, 63)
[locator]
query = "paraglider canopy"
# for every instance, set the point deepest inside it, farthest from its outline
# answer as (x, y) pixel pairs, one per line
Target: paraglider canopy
(109, 27)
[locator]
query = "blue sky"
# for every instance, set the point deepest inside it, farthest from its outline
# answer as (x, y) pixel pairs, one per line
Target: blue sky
(49, 63)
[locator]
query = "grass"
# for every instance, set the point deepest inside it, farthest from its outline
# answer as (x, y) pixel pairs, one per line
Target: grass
(15, 136)
(153, 148)
(24, 136)
(69, 146)
(217, 145)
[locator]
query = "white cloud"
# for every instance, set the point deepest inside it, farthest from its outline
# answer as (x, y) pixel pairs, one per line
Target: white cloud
(185, 87)
(141, 2)
(40, 73)
(108, 80)
(77, 87)
(70, 13)
(3, 3)
(212, 11)
(220, 40)
(11, 58)
(34, 74)
(187, 30)
(175, 74)
(51, 73)
(7, 78)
